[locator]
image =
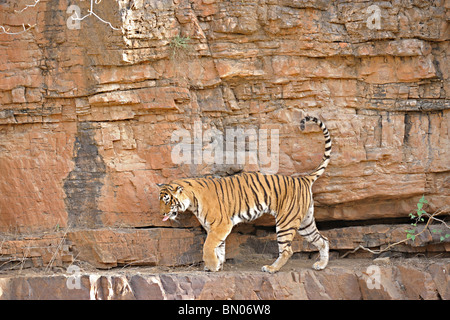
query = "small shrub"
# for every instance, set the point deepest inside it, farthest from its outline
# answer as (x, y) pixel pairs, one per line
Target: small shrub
(180, 47)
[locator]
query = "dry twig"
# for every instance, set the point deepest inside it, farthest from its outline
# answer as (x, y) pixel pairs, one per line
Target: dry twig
(29, 26)
(63, 239)
(430, 219)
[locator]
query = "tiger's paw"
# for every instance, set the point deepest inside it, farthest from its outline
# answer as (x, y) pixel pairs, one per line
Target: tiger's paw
(319, 265)
(211, 268)
(269, 269)
(206, 269)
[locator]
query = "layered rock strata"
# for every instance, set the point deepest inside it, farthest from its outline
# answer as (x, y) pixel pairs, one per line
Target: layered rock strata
(362, 280)
(88, 114)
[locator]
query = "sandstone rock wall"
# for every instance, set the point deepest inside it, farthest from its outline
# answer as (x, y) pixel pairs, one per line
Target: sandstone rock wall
(87, 114)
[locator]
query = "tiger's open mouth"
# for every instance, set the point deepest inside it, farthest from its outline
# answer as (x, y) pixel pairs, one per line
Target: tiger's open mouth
(170, 215)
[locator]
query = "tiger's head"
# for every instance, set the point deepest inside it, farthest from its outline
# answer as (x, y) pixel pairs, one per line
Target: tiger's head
(172, 200)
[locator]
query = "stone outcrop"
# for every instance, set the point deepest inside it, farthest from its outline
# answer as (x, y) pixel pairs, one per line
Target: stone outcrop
(109, 248)
(355, 281)
(88, 115)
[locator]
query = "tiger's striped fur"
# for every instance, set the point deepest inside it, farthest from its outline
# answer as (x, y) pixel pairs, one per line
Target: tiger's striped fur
(221, 203)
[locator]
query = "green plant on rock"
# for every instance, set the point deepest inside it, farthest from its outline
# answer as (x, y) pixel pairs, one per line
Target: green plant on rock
(420, 216)
(179, 46)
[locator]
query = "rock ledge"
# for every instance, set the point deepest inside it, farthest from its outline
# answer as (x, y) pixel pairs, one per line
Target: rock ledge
(343, 279)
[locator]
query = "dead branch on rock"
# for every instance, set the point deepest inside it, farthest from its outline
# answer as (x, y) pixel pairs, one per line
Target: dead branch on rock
(91, 12)
(25, 29)
(58, 249)
(431, 218)
(28, 6)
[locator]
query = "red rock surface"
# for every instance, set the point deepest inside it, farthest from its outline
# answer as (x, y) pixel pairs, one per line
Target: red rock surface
(87, 115)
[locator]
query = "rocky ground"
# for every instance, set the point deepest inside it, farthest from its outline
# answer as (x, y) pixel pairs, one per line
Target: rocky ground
(383, 278)
(166, 263)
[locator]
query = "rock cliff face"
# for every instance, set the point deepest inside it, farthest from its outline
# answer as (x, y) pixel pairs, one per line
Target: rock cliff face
(88, 113)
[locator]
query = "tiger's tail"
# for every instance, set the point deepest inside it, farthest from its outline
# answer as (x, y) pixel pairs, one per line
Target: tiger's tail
(326, 156)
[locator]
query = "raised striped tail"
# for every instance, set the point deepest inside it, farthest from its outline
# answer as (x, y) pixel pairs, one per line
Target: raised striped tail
(326, 156)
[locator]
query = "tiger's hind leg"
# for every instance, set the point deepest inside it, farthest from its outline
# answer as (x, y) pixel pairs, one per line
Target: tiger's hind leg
(309, 232)
(284, 239)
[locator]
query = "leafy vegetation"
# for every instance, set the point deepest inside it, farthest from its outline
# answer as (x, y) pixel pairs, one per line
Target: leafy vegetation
(179, 46)
(420, 216)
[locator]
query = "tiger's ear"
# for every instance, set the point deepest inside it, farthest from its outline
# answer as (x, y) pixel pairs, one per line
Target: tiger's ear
(160, 185)
(179, 189)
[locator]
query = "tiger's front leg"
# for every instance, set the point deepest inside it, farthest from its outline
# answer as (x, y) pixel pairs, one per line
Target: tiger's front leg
(214, 248)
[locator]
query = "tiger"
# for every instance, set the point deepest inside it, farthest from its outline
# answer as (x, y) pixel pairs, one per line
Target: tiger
(221, 203)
